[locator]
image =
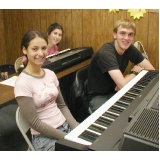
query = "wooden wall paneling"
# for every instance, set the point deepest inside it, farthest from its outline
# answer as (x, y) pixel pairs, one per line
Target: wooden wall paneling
(60, 18)
(153, 40)
(3, 52)
(36, 20)
(87, 27)
(8, 32)
(101, 28)
(92, 29)
(77, 28)
(67, 27)
(26, 24)
(14, 35)
(75, 25)
(27, 20)
(43, 21)
(119, 15)
(97, 34)
(108, 30)
(19, 32)
(50, 17)
(142, 29)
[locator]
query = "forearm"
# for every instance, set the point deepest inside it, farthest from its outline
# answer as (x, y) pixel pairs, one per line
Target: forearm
(28, 110)
(133, 73)
(67, 114)
(129, 77)
(65, 111)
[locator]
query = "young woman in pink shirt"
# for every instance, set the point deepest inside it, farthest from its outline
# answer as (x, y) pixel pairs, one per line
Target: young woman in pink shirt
(39, 97)
(54, 33)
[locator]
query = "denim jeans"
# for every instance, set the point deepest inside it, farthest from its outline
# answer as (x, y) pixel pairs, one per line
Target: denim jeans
(97, 101)
(42, 143)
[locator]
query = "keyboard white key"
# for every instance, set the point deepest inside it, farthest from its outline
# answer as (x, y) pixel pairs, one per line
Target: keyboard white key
(52, 55)
(73, 135)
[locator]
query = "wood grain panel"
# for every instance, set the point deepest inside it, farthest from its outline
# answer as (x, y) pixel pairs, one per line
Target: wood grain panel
(27, 20)
(18, 33)
(87, 27)
(153, 40)
(43, 23)
(76, 28)
(36, 18)
(50, 17)
(108, 32)
(91, 27)
(14, 34)
(60, 18)
(67, 26)
(142, 30)
(120, 15)
(2, 44)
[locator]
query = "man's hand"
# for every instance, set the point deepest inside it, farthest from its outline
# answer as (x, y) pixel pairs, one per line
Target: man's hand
(137, 68)
(116, 88)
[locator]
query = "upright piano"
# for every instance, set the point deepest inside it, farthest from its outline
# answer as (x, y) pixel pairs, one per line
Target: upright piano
(67, 58)
(107, 128)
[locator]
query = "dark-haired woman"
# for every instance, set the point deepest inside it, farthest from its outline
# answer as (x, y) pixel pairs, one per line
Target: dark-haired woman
(54, 33)
(39, 97)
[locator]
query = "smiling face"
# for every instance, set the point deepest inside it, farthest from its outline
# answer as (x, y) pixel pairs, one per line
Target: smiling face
(36, 51)
(55, 36)
(123, 39)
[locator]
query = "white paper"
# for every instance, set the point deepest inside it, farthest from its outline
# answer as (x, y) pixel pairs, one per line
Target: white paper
(10, 81)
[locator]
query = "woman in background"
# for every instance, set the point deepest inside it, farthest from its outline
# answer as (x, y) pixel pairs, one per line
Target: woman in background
(39, 97)
(54, 33)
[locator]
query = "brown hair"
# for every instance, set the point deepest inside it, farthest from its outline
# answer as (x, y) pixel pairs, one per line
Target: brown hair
(125, 23)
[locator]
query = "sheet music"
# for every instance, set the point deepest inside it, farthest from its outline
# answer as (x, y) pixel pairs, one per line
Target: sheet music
(10, 81)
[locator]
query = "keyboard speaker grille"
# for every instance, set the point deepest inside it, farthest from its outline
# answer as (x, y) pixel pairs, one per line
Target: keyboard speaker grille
(142, 133)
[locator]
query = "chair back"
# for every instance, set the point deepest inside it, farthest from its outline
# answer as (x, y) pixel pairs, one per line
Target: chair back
(78, 99)
(17, 64)
(23, 127)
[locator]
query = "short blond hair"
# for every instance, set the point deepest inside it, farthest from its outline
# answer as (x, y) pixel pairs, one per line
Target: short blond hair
(124, 23)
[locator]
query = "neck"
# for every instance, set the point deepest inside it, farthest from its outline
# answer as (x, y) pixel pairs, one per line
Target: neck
(119, 50)
(49, 45)
(34, 71)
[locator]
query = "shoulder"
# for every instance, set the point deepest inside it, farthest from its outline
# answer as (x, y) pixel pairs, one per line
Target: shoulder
(133, 49)
(22, 78)
(23, 82)
(107, 50)
(108, 45)
(134, 54)
(49, 73)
